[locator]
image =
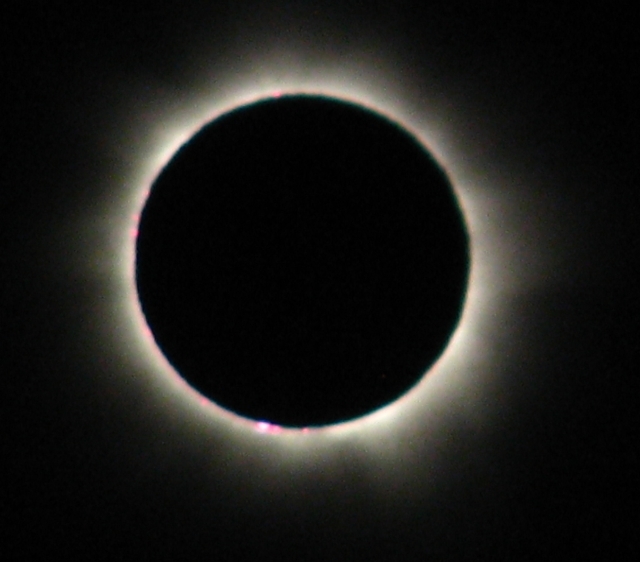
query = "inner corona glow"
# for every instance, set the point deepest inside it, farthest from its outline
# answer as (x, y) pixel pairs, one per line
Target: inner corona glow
(462, 376)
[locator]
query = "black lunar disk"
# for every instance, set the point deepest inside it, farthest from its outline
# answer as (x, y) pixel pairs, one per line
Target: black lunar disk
(302, 260)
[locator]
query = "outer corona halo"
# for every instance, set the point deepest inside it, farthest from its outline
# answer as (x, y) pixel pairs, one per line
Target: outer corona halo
(149, 129)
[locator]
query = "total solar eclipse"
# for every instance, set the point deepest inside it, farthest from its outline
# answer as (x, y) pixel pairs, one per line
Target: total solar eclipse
(302, 260)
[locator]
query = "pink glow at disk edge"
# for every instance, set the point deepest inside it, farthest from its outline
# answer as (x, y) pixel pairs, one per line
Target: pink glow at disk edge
(266, 427)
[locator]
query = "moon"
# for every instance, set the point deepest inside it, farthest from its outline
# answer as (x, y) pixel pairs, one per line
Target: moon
(302, 261)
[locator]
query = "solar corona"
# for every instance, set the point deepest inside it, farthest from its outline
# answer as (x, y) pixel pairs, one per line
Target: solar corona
(453, 381)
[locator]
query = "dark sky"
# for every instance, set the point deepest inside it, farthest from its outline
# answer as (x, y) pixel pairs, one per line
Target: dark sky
(94, 469)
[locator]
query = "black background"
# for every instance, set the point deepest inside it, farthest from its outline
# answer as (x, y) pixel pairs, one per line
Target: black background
(561, 477)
